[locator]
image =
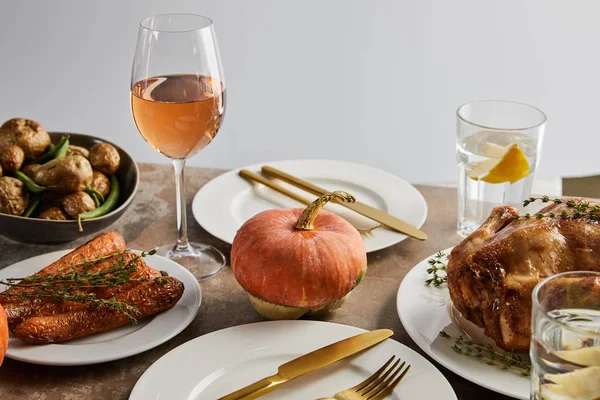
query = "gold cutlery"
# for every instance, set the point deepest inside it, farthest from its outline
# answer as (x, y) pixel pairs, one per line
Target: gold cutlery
(376, 387)
(361, 208)
(311, 362)
(244, 173)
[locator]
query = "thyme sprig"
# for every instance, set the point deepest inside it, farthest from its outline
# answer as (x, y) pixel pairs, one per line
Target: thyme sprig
(437, 263)
(62, 286)
(577, 210)
(486, 353)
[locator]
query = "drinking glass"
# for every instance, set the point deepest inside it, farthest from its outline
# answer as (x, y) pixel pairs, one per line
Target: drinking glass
(565, 338)
(178, 103)
(486, 130)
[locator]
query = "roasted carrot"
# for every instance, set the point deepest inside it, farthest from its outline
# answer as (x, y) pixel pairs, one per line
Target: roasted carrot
(102, 246)
(149, 298)
(17, 312)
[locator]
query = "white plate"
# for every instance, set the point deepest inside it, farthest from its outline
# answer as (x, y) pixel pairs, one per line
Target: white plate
(216, 364)
(425, 311)
(225, 203)
(117, 343)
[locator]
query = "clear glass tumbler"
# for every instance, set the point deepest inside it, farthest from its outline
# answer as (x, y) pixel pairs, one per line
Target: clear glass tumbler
(565, 338)
(497, 148)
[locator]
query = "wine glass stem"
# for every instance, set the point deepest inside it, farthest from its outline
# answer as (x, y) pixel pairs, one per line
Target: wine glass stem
(182, 238)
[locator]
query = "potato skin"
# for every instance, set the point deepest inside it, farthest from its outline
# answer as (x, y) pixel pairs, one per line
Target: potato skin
(67, 174)
(30, 169)
(78, 151)
(105, 158)
(11, 158)
(77, 203)
(29, 135)
(14, 197)
(100, 183)
(54, 213)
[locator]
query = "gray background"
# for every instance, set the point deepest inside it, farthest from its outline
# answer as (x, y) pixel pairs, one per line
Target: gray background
(375, 82)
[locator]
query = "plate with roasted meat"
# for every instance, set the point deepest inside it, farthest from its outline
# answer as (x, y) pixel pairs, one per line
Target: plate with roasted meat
(97, 303)
(476, 309)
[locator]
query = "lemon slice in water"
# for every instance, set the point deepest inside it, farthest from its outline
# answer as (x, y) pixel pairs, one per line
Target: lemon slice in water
(511, 166)
(587, 356)
(582, 384)
(493, 150)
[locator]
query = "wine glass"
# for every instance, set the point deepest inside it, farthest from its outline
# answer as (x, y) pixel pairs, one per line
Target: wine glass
(178, 103)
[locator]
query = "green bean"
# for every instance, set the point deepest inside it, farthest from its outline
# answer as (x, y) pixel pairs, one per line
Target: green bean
(62, 150)
(30, 184)
(50, 154)
(99, 195)
(109, 205)
(95, 198)
(33, 204)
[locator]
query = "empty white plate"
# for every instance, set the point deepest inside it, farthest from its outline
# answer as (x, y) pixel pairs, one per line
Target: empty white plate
(225, 203)
(213, 365)
(117, 343)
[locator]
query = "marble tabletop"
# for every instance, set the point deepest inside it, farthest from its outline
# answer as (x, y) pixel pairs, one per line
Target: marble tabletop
(149, 222)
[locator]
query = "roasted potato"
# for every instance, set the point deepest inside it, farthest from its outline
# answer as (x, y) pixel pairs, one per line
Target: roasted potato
(30, 169)
(77, 203)
(0, 170)
(105, 158)
(54, 213)
(29, 135)
(11, 158)
(14, 197)
(78, 151)
(65, 175)
(100, 183)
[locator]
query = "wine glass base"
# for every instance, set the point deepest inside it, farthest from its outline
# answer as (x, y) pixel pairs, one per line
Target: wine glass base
(202, 260)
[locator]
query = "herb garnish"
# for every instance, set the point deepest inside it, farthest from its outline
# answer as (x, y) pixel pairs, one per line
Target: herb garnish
(581, 209)
(486, 353)
(62, 286)
(438, 263)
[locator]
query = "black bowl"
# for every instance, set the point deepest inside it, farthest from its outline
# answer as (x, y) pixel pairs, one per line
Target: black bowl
(33, 230)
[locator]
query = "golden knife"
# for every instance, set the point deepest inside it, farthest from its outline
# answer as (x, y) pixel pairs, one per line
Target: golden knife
(361, 208)
(244, 173)
(311, 362)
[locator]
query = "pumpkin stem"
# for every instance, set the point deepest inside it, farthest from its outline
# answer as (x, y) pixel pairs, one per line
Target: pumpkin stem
(307, 218)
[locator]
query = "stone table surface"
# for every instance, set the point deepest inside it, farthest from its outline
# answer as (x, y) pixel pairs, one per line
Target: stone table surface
(149, 222)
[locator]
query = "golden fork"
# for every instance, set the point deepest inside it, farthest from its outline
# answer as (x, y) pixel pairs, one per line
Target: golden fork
(376, 387)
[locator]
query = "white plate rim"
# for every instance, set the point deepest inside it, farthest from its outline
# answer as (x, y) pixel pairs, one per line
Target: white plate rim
(448, 362)
(50, 356)
(137, 394)
(202, 196)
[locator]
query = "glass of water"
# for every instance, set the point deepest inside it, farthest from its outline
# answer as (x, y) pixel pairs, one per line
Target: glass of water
(565, 337)
(497, 148)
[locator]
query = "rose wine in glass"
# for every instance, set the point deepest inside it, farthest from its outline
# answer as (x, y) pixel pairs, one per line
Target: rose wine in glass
(178, 103)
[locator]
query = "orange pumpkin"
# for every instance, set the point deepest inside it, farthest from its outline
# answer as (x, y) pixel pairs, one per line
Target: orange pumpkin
(3, 334)
(298, 261)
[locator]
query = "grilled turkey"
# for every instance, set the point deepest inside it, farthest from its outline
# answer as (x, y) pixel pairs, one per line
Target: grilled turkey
(492, 273)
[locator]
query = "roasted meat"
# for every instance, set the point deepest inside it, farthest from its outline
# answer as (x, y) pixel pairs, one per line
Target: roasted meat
(492, 273)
